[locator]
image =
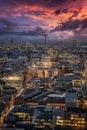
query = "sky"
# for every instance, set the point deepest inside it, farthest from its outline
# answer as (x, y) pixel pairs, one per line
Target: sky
(60, 19)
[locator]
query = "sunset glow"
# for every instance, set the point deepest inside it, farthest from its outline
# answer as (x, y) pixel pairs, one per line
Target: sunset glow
(41, 16)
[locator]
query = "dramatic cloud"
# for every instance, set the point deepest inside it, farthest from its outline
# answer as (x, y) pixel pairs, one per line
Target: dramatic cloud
(37, 32)
(65, 10)
(76, 29)
(72, 25)
(57, 12)
(7, 26)
(33, 17)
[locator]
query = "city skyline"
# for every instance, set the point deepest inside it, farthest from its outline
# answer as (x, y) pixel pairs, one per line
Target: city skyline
(43, 64)
(60, 19)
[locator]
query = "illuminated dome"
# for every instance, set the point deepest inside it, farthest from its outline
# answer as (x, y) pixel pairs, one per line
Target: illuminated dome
(46, 61)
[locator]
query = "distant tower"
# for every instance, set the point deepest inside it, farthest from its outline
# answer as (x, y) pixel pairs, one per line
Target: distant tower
(45, 35)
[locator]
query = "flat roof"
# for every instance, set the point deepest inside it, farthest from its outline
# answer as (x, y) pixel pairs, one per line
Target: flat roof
(50, 96)
(29, 93)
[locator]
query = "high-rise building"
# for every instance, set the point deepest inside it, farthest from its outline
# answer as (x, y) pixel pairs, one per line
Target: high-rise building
(71, 98)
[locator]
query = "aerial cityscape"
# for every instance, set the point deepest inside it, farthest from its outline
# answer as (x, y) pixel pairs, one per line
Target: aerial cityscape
(43, 65)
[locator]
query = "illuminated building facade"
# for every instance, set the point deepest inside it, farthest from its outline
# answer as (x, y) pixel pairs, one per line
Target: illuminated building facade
(13, 80)
(45, 68)
(40, 69)
(40, 116)
(72, 119)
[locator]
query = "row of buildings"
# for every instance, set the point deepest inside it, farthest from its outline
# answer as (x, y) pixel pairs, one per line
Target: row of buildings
(47, 87)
